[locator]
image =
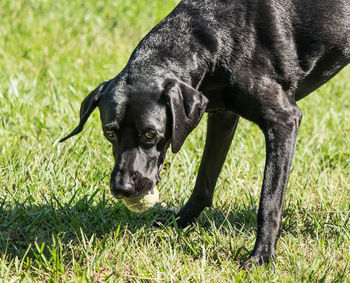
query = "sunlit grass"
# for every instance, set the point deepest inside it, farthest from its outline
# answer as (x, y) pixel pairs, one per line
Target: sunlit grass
(58, 220)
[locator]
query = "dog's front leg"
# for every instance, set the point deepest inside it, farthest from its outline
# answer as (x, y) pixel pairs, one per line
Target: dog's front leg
(280, 127)
(220, 131)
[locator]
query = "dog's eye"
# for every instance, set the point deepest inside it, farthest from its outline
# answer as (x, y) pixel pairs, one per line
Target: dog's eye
(150, 134)
(110, 134)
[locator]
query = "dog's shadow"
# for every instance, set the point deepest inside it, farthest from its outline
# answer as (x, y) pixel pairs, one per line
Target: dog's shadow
(24, 224)
(28, 223)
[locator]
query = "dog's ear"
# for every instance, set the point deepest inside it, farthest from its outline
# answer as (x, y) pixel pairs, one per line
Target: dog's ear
(187, 106)
(87, 106)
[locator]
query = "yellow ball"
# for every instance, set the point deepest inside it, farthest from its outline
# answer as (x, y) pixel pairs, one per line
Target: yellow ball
(144, 203)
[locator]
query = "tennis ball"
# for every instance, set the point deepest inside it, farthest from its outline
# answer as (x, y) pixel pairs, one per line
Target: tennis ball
(143, 203)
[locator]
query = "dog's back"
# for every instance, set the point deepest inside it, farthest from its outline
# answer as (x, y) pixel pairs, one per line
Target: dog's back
(303, 43)
(299, 43)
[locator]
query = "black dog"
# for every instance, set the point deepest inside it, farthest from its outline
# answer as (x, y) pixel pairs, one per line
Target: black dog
(231, 58)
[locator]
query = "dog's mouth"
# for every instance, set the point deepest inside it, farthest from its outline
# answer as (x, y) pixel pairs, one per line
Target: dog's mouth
(117, 196)
(137, 187)
(134, 196)
(141, 204)
(133, 185)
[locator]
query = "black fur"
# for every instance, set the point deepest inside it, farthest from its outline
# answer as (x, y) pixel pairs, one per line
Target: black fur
(232, 58)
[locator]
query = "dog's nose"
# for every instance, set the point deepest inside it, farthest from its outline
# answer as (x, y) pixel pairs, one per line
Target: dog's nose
(122, 190)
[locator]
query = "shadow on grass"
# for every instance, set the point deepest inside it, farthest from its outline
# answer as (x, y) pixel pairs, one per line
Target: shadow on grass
(22, 224)
(309, 222)
(25, 223)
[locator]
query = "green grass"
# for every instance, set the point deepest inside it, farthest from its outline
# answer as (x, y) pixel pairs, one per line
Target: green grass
(58, 220)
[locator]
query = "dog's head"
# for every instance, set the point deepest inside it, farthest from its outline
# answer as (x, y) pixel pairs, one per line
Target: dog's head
(141, 122)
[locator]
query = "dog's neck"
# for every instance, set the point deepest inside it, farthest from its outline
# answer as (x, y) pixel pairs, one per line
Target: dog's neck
(156, 70)
(186, 57)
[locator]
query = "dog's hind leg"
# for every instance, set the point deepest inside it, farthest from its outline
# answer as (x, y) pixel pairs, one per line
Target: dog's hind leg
(221, 128)
(280, 124)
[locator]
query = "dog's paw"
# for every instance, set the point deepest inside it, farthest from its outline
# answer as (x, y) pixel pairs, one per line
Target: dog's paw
(259, 260)
(169, 216)
(160, 223)
(183, 222)
(174, 221)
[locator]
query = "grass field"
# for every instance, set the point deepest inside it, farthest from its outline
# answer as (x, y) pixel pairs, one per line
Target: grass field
(58, 220)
